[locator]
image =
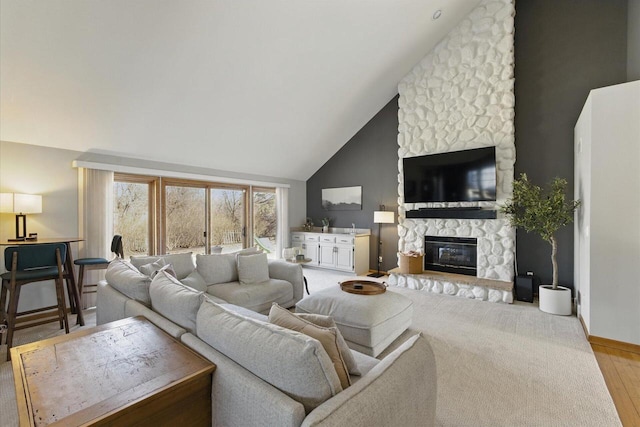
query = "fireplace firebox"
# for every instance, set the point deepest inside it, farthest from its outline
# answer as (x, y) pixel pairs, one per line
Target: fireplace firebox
(451, 254)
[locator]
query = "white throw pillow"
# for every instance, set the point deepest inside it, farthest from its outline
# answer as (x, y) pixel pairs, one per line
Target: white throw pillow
(153, 268)
(175, 301)
(253, 269)
(292, 362)
(127, 279)
(182, 263)
(328, 337)
(195, 281)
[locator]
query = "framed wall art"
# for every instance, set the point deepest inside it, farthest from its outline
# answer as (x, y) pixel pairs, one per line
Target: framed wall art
(342, 198)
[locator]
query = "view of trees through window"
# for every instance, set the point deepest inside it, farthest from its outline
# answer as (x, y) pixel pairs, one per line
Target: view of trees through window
(264, 219)
(185, 219)
(194, 214)
(131, 216)
(227, 218)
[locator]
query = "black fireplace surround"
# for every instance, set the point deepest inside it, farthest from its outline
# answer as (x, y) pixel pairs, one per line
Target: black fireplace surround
(451, 254)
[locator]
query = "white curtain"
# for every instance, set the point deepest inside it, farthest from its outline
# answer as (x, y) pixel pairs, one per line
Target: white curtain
(282, 212)
(95, 215)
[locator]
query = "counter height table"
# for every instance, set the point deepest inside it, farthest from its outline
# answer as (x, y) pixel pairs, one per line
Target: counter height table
(69, 275)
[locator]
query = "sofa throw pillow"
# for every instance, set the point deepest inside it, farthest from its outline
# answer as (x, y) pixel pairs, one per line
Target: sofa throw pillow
(345, 351)
(253, 269)
(182, 263)
(217, 268)
(175, 301)
(327, 337)
(292, 362)
(195, 281)
(127, 279)
(152, 269)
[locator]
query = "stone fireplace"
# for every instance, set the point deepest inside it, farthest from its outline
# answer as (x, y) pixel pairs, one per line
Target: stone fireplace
(459, 97)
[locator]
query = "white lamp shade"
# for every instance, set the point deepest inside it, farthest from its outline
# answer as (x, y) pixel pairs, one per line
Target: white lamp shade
(383, 217)
(20, 203)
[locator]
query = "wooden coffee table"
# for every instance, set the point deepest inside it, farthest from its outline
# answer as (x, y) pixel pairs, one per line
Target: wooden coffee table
(128, 372)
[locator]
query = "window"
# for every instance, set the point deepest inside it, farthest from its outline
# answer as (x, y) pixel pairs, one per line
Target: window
(184, 214)
(265, 223)
(133, 213)
(165, 215)
(228, 218)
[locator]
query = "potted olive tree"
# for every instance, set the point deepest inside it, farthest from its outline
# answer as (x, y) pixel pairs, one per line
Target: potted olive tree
(544, 211)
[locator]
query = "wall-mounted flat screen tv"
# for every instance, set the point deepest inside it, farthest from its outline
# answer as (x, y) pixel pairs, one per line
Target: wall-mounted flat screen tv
(458, 176)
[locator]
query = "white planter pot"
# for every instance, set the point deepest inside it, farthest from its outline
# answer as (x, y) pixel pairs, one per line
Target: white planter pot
(555, 302)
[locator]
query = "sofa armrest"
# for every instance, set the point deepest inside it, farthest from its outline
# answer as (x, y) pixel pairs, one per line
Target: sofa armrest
(240, 398)
(399, 391)
(290, 272)
(109, 303)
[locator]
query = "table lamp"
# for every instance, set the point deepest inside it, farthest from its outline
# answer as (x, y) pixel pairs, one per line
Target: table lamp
(381, 217)
(20, 204)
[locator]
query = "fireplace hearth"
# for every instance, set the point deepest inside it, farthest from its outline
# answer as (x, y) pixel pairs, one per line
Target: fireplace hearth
(451, 254)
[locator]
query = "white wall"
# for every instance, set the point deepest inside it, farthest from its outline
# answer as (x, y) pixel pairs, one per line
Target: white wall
(48, 171)
(608, 229)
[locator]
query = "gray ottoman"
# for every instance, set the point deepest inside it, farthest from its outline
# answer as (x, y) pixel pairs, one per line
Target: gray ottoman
(368, 323)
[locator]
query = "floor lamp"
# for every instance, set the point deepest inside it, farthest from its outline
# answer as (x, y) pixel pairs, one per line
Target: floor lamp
(381, 217)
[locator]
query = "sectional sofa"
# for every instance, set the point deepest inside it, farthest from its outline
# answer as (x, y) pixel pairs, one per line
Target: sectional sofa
(267, 375)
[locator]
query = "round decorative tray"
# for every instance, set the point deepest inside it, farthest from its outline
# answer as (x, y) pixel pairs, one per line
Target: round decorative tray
(363, 287)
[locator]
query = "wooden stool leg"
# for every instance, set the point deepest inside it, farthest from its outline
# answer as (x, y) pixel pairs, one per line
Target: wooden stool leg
(80, 285)
(14, 295)
(62, 310)
(3, 301)
(3, 309)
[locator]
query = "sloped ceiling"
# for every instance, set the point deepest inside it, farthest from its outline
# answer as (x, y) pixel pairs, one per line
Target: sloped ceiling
(268, 87)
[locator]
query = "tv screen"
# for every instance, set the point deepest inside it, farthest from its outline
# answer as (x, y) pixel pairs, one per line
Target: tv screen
(459, 176)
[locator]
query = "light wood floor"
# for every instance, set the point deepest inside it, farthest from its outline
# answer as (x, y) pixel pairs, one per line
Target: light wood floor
(621, 371)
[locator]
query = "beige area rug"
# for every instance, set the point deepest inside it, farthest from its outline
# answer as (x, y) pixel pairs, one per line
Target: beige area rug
(498, 364)
(504, 364)
(8, 407)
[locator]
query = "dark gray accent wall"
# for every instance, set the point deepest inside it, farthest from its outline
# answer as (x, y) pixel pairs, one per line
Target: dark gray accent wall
(369, 159)
(563, 49)
(633, 40)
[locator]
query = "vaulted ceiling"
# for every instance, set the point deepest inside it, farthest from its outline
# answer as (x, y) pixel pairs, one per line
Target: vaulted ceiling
(268, 87)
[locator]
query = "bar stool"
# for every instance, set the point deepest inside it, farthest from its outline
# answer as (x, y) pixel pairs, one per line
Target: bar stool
(97, 264)
(28, 264)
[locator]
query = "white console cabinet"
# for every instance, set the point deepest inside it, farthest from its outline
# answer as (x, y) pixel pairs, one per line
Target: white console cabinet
(334, 250)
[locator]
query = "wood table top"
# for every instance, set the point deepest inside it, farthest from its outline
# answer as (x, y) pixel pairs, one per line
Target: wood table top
(41, 240)
(86, 375)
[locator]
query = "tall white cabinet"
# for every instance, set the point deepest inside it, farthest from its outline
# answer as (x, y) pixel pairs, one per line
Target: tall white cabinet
(607, 226)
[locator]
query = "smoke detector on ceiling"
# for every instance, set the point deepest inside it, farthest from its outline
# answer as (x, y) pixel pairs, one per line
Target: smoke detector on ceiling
(436, 14)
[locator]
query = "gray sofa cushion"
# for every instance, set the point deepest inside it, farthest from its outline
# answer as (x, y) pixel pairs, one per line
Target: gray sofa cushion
(217, 268)
(175, 301)
(290, 361)
(127, 279)
(257, 297)
(220, 268)
(182, 263)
